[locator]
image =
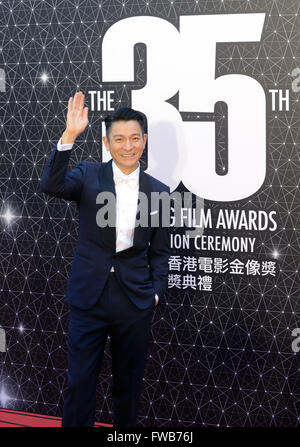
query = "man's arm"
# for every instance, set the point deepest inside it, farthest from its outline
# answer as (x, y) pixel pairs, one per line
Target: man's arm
(56, 181)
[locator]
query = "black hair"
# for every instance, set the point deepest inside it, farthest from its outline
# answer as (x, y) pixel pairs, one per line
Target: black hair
(125, 114)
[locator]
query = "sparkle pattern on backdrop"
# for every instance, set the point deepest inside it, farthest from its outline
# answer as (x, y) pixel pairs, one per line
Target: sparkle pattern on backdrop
(216, 359)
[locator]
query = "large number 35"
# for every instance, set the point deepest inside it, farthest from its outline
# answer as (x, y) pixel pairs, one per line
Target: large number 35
(184, 61)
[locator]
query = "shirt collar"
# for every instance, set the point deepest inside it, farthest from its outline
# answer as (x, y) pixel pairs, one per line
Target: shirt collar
(118, 171)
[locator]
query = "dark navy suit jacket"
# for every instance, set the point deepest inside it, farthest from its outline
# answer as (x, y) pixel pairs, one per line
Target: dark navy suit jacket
(142, 269)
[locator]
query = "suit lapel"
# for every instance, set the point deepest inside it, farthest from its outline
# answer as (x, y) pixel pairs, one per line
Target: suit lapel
(144, 187)
(107, 183)
(106, 179)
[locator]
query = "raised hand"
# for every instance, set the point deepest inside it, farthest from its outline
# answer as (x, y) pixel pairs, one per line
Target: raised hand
(77, 118)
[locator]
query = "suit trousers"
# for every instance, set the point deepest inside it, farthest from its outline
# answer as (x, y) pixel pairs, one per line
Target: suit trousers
(129, 329)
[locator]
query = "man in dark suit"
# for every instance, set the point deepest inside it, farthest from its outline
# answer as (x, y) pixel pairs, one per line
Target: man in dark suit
(118, 272)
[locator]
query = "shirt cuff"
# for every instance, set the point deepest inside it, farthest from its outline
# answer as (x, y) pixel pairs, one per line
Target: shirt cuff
(63, 147)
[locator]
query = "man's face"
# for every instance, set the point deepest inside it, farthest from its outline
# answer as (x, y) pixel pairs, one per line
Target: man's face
(126, 143)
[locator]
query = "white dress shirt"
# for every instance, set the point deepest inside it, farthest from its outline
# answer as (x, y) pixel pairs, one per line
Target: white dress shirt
(126, 205)
(127, 191)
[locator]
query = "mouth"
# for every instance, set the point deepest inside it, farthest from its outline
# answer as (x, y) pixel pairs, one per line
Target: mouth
(128, 156)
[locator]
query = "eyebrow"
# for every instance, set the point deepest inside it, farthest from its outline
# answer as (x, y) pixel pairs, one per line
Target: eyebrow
(121, 135)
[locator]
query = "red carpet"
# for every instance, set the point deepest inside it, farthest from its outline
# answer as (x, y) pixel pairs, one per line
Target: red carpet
(12, 418)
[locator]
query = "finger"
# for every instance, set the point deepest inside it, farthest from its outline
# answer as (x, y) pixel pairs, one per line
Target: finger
(85, 113)
(76, 101)
(70, 104)
(81, 104)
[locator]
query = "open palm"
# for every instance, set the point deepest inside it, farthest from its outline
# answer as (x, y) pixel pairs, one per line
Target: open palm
(77, 116)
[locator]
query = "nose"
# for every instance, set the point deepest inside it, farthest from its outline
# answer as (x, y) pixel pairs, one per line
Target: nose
(127, 145)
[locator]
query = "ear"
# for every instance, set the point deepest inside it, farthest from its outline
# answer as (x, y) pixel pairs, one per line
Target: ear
(106, 142)
(145, 139)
